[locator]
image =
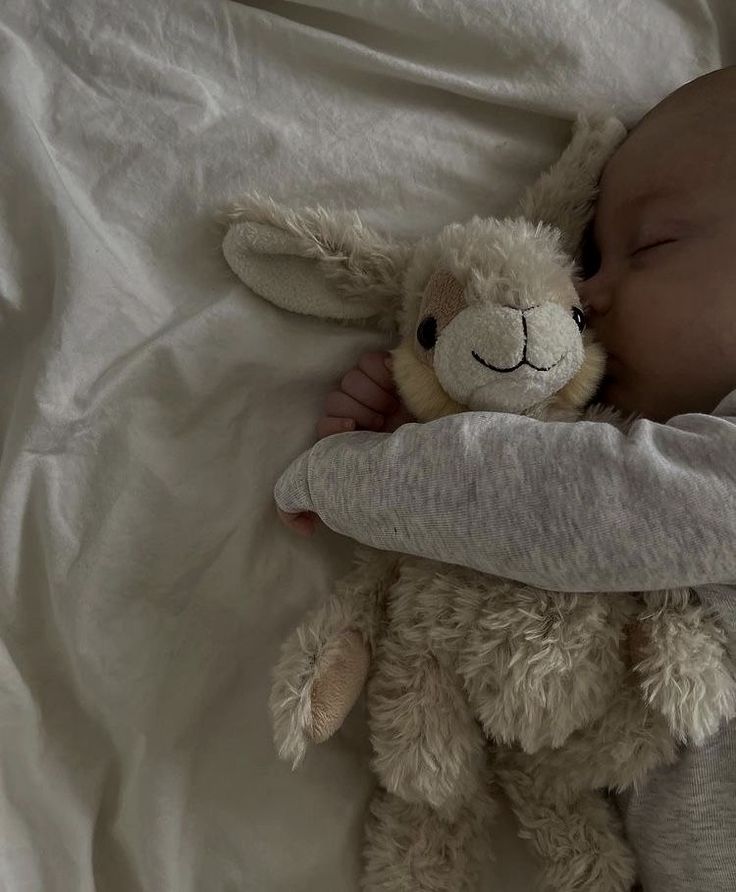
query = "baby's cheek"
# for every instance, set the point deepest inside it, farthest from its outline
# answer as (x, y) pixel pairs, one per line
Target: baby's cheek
(639, 321)
(660, 337)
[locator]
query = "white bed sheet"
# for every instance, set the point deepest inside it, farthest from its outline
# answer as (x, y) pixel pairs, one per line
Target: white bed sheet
(147, 402)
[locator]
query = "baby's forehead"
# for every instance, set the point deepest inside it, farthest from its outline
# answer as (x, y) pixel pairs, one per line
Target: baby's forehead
(667, 173)
(685, 144)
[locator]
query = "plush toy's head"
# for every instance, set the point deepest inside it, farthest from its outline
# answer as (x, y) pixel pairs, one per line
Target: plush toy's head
(491, 320)
(487, 310)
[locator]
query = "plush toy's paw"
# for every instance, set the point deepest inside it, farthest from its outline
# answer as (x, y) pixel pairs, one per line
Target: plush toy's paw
(339, 679)
(684, 668)
(316, 684)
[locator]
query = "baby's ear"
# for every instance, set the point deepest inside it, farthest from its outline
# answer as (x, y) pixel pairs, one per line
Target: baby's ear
(316, 262)
(565, 194)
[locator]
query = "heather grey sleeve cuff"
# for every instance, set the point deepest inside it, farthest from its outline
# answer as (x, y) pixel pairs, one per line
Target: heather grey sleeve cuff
(291, 491)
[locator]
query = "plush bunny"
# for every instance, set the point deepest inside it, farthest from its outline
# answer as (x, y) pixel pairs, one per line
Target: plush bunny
(475, 681)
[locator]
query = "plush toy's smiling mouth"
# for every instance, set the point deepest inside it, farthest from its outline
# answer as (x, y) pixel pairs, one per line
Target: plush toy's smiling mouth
(518, 364)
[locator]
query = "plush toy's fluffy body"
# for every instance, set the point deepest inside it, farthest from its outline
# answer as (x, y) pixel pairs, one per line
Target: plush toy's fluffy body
(475, 681)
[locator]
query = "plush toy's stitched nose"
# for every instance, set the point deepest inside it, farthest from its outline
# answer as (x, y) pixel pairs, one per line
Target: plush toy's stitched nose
(524, 360)
(489, 358)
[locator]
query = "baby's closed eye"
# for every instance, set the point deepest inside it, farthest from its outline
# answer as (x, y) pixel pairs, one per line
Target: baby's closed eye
(658, 234)
(650, 244)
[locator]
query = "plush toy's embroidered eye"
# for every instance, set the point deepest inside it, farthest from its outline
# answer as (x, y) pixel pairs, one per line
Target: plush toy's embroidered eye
(579, 317)
(427, 332)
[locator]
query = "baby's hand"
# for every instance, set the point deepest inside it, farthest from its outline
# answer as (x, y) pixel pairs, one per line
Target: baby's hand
(366, 400)
(303, 523)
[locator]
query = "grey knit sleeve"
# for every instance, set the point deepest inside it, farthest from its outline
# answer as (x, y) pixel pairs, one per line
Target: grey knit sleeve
(575, 507)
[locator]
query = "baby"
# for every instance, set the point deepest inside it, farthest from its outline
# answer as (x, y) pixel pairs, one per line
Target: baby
(651, 509)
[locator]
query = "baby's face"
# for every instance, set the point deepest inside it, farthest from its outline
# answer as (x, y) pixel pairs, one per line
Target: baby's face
(662, 288)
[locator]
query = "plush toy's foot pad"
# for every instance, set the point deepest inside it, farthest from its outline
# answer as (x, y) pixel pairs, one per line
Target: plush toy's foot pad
(341, 675)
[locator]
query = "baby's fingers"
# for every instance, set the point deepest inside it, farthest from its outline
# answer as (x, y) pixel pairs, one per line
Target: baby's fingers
(327, 426)
(340, 405)
(374, 365)
(362, 388)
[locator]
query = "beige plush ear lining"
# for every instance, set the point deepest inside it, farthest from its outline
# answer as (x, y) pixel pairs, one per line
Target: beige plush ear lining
(341, 677)
(272, 264)
(265, 239)
(316, 262)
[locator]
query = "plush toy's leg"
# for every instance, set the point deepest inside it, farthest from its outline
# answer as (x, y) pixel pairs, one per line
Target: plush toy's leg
(554, 792)
(679, 653)
(324, 663)
(579, 838)
(410, 847)
(427, 745)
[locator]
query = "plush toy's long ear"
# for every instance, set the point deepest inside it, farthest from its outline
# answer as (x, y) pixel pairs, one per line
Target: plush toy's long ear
(564, 195)
(316, 262)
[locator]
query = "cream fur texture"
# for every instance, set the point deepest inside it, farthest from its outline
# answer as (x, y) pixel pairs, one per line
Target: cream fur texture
(477, 683)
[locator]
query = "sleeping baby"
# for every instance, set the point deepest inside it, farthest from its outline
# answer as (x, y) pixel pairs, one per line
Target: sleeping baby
(649, 509)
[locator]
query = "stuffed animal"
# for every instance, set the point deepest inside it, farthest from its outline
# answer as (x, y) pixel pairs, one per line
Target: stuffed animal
(475, 682)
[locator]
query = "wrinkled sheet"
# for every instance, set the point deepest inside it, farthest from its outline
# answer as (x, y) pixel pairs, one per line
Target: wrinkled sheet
(148, 403)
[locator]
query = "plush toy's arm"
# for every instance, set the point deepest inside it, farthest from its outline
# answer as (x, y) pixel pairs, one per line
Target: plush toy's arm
(564, 195)
(684, 666)
(316, 262)
(324, 663)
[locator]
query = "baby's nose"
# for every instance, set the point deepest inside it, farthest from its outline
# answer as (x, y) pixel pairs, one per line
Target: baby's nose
(596, 294)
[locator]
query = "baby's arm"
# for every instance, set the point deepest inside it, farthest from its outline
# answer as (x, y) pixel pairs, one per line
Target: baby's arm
(575, 507)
